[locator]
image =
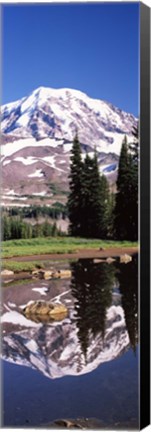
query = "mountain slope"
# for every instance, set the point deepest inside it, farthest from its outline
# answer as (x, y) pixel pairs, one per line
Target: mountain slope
(37, 134)
(55, 350)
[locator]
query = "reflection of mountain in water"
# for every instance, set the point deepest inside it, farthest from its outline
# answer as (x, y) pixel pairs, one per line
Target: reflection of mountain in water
(94, 333)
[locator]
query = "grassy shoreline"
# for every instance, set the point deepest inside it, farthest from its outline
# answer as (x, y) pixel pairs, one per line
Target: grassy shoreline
(27, 255)
(57, 245)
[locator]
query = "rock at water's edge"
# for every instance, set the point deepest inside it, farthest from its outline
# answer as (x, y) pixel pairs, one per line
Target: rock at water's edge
(45, 311)
(125, 259)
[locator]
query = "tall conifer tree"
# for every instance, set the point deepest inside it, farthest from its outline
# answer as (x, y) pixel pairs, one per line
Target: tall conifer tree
(75, 183)
(105, 211)
(95, 200)
(126, 207)
(134, 148)
(123, 194)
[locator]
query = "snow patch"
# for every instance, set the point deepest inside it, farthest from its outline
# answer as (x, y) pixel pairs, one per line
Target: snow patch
(11, 148)
(26, 161)
(10, 192)
(43, 193)
(57, 298)
(32, 346)
(42, 291)
(6, 162)
(37, 173)
(23, 120)
(11, 304)
(50, 160)
(16, 318)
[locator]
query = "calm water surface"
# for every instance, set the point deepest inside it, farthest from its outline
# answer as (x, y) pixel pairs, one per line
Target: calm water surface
(83, 366)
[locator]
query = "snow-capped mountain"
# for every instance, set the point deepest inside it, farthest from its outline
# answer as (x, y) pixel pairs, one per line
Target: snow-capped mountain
(37, 134)
(55, 350)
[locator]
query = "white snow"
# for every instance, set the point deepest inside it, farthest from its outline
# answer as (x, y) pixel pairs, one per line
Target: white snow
(14, 204)
(10, 197)
(13, 198)
(29, 103)
(67, 147)
(26, 161)
(11, 148)
(57, 298)
(42, 291)
(58, 111)
(10, 192)
(43, 193)
(67, 352)
(15, 317)
(11, 304)
(32, 346)
(23, 120)
(50, 160)
(7, 307)
(62, 161)
(6, 162)
(37, 173)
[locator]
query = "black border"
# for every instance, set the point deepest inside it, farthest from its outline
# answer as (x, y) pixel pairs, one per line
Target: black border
(144, 216)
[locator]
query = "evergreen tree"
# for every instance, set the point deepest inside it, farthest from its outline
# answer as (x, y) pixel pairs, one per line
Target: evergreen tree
(75, 183)
(134, 149)
(122, 208)
(54, 230)
(105, 209)
(6, 228)
(95, 200)
(134, 146)
(126, 207)
(110, 214)
(86, 199)
(46, 229)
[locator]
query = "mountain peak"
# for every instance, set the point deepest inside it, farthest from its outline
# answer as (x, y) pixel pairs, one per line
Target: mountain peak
(65, 110)
(38, 131)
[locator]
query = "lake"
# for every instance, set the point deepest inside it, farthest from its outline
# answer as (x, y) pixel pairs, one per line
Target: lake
(83, 366)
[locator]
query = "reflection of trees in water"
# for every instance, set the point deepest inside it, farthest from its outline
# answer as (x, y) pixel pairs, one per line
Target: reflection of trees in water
(128, 281)
(91, 286)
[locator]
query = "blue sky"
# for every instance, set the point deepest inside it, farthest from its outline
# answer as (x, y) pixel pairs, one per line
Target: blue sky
(90, 47)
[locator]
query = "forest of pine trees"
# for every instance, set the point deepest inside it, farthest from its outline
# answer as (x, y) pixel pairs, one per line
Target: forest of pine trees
(15, 228)
(15, 223)
(93, 211)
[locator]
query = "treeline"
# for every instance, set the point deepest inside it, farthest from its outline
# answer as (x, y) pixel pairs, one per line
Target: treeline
(93, 211)
(58, 210)
(14, 225)
(16, 228)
